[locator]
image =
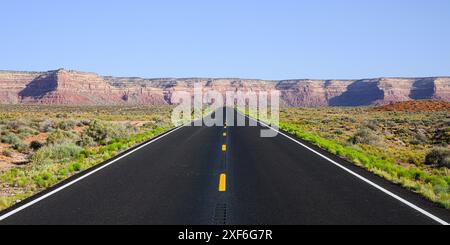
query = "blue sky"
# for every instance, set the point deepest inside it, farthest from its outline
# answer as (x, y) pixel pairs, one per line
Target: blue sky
(234, 38)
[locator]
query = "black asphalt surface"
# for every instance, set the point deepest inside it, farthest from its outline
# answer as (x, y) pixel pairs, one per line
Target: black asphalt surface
(270, 181)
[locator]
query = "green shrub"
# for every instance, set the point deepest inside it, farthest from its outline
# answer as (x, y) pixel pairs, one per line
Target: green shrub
(21, 147)
(365, 136)
(27, 131)
(14, 125)
(338, 132)
(15, 142)
(44, 179)
(10, 138)
(86, 141)
(372, 125)
(54, 153)
(61, 137)
(418, 138)
(438, 157)
(66, 125)
(103, 132)
(442, 136)
(63, 173)
(76, 167)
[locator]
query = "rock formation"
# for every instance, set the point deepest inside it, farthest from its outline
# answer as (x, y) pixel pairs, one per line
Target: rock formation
(62, 87)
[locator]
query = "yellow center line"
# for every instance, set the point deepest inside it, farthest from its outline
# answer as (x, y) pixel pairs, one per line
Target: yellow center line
(223, 183)
(224, 148)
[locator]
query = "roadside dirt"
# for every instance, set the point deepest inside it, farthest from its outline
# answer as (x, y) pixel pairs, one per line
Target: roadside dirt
(42, 137)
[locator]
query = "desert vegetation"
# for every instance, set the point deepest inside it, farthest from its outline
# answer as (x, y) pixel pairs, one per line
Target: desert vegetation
(406, 146)
(43, 145)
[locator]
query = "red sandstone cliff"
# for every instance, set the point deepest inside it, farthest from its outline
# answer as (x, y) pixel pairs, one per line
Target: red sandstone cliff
(82, 88)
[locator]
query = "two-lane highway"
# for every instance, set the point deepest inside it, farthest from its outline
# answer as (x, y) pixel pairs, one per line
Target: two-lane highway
(227, 175)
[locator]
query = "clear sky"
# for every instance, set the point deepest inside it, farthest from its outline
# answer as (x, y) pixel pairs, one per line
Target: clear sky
(277, 39)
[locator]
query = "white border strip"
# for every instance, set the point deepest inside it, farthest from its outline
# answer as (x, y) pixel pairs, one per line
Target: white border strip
(27, 205)
(418, 209)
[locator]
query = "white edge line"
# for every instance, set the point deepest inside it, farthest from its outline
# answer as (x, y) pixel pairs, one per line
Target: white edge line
(418, 209)
(27, 205)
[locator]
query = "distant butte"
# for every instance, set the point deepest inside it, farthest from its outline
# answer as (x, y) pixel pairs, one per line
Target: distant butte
(64, 87)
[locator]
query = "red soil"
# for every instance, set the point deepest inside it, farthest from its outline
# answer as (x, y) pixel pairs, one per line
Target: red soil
(416, 106)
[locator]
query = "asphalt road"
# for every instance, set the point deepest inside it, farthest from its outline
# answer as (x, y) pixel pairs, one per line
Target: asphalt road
(176, 180)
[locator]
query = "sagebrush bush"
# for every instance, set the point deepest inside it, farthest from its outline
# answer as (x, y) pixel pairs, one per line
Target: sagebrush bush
(442, 136)
(60, 137)
(21, 147)
(418, 138)
(14, 125)
(26, 131)
(66, 125)
(52, 153)
(365, 136)
(47, 126)
(86, 141)
(2, 129)
(84, 122)
(438, 157)
(10, 138)
(372, 125)
(103, 132)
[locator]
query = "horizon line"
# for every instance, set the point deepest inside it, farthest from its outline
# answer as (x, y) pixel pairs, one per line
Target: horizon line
(225, 78)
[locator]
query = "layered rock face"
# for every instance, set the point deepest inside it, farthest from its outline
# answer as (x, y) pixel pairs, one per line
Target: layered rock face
(62, 87)
(12, 83)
